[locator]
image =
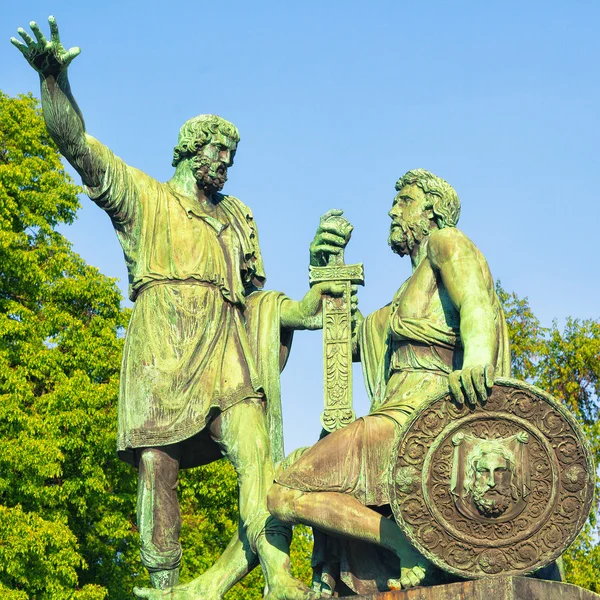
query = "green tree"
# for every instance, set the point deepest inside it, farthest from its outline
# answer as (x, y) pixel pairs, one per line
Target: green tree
(565, 363)
(66, 504)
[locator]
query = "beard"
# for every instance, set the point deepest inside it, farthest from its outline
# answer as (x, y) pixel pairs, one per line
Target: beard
(210, 175)
(492, 503)
(404, 235)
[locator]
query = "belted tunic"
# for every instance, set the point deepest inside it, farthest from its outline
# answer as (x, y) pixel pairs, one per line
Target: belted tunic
(186, 351)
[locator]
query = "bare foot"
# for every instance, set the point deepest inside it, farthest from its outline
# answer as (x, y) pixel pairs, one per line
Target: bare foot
(414, 567)
(409, 578)
(189, 591)
(291, 590)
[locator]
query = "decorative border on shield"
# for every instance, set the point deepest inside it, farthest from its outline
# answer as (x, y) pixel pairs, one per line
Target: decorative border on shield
(491, 561)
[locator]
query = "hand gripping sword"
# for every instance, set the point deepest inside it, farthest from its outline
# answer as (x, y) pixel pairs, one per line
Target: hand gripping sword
(337, 338)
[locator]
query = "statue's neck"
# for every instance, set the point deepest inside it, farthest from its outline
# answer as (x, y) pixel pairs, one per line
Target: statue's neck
(419, 252)
(184, 182)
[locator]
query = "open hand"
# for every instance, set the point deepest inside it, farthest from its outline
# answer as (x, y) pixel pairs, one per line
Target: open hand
(471, 384)
(46, 57)
(332, 236)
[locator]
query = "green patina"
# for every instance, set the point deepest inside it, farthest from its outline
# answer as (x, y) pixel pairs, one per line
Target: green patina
(204, 347)
(444, 328)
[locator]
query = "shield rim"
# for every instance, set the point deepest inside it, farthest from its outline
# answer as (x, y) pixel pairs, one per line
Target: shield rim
(407, 529)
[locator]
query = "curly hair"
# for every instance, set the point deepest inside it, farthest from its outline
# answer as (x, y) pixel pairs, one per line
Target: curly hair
(198, 132)
(442, 198)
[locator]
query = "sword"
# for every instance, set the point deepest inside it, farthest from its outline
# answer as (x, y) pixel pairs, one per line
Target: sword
(337, 338)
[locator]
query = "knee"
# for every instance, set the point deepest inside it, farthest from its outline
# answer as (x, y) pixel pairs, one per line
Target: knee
(149, 458)
(280, 502)
(155, 462)
(166, 557)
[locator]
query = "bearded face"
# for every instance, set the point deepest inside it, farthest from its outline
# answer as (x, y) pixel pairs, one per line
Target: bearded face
(211, 162)
(405, 235)
(410, 220)
(492, 489)
(210, 174)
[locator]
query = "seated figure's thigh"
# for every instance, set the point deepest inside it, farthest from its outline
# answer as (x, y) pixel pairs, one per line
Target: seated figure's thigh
(352, 460)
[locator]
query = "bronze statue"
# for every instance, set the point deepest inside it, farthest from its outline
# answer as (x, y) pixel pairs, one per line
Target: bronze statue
(444, 329)
(500, 487)
(203, 348)
(455, 468)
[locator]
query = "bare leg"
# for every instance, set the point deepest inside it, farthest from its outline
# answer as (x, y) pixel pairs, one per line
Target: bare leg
(236, 561)
(251, 458)
(159, 519)
(261, 533)
(242, 435)
(343, 515)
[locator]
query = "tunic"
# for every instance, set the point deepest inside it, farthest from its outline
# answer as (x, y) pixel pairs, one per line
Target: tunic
(406, 362)
(186, 353)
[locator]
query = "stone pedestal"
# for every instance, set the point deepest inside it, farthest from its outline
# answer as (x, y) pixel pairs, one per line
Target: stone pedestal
(495, 588)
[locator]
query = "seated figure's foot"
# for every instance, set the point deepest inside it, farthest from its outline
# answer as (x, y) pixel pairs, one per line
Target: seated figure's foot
(290, 589)
(414, 568)
(190, 591)
(409, 578)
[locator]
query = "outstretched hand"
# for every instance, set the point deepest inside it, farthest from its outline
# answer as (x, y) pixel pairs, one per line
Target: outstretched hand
(46, 57)
(471, 384)
(311, 306)
(332, 236)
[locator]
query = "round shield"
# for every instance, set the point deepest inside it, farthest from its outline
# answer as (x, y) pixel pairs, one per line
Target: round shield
(501, 488)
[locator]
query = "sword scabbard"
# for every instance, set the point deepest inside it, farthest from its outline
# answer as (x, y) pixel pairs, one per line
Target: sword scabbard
(337, 344)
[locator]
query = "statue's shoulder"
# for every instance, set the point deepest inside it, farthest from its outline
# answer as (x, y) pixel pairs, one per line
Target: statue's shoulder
(449, 235)
(449, 243)
(236, 207)
(111, 163)
(234, 202)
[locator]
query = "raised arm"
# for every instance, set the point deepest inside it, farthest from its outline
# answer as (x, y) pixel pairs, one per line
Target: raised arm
(61, 113)
(467, 278)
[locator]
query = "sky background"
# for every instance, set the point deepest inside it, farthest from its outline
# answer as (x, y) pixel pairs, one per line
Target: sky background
(335, 100)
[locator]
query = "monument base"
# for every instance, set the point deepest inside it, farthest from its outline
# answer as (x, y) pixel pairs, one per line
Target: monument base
(494, 588)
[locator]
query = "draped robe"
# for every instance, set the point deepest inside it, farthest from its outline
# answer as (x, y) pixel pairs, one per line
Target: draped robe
(194, 345)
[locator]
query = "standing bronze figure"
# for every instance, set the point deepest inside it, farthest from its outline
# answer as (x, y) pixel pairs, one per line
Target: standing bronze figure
(203, 349)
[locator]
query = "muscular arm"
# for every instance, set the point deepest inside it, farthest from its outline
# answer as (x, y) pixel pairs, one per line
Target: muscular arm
(307, 314)
(293, 316)
(465, 274)
(65, 125)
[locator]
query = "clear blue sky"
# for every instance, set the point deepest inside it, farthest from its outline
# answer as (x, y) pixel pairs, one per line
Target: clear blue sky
(334, 101)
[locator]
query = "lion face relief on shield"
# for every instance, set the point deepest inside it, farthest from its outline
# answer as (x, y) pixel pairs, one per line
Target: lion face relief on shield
(490, 476)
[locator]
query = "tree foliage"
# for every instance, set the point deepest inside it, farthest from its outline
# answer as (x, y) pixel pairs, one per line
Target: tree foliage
(66, 504)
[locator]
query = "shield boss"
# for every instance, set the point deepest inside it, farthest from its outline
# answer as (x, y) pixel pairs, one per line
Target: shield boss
(499, 489)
